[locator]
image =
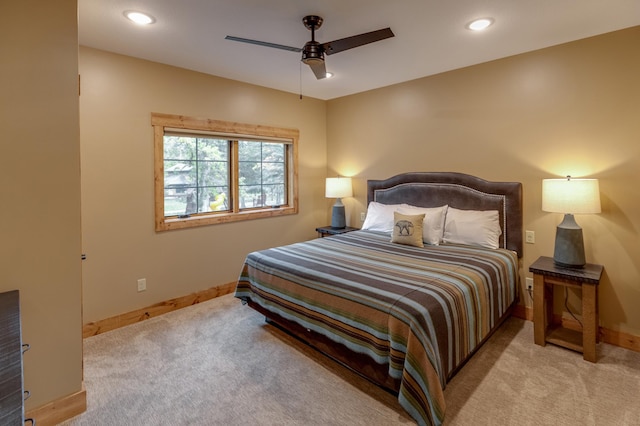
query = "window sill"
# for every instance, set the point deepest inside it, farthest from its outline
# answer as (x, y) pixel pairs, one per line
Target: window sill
(169, 224)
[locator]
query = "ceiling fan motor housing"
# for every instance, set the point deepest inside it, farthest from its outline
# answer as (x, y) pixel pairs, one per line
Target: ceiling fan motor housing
(312, 52)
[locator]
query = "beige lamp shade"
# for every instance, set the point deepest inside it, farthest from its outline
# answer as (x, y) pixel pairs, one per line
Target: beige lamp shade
(575, 196)
(338, 187)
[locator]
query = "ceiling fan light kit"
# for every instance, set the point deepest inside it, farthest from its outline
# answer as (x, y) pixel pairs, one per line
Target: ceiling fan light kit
(313, 52)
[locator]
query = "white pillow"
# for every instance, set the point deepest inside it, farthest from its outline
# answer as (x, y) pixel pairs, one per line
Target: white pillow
(472, 227)
(380, 216)
(433, 226)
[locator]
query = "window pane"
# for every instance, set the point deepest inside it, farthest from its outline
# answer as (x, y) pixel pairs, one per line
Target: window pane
(249, 151)
(217, 199)
(273, 152)
(250, 173)
(180, 202)
(274, 194)
(213, 149)
(213, 173)
(273, 173)
(179, 148)
(174, 203)
(251, 196)
(179, 174)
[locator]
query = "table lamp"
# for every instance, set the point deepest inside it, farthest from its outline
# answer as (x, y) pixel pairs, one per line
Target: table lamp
(570, 196)
(338, 188)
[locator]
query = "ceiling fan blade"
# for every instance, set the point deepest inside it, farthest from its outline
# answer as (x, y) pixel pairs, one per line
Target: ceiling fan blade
(318, 68)
(336, 46)
(264, 43)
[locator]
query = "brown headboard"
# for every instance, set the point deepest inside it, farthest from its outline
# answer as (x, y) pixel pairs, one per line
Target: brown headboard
(458, 190)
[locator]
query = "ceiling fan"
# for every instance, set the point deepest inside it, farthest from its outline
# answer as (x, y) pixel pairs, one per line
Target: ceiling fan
(313, 52)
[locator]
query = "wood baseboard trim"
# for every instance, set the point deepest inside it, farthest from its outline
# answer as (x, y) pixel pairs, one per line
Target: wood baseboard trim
(108, 324)
(62, 409)
(523, 312)
(624, 340)
(613, 337)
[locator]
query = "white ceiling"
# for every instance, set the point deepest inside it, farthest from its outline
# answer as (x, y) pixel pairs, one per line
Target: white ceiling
(430, 36)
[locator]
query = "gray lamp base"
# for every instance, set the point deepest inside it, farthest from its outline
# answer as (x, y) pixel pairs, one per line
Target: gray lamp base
(338, 220)
(569, 248)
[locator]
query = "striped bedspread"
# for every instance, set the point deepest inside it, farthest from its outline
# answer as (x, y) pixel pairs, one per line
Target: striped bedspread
(421, 311)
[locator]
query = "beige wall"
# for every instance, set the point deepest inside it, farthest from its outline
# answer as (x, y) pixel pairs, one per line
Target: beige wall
(118, 95)
(570, 109)
(40, 191)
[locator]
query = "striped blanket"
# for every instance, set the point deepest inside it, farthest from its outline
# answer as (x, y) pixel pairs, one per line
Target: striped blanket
(421, 311)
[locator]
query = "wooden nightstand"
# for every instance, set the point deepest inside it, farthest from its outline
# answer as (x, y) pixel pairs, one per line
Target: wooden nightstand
(323, 231)
(546, 275)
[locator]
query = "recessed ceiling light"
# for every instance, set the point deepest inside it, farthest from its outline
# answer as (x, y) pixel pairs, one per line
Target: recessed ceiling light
(139, 17)
(479, 24)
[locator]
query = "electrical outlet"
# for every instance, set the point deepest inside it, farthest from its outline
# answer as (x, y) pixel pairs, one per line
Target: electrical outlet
(142, 284)
(529, 283)
(530, 237)
(361, 216)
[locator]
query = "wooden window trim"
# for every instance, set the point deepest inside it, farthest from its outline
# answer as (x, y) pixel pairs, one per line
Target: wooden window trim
(161, 121)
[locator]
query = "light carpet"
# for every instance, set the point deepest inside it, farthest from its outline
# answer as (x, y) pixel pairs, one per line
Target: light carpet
(219, 363)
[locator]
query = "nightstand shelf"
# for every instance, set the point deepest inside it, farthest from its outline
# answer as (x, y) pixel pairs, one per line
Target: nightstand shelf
(561, 336)
(323, 231)
(546, 275)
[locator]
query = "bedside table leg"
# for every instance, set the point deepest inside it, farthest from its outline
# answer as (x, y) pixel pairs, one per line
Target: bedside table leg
(539, 310)
(589, 321)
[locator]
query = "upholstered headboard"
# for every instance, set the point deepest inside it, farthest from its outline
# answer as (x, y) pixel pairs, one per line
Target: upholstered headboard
(458, 190)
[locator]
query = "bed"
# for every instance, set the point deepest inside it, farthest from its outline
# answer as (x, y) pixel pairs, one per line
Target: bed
(405, 314)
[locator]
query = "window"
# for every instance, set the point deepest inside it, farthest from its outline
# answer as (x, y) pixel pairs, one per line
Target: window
(209, 171)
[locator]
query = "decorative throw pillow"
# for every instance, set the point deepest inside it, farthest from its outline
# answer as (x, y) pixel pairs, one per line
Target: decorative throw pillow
(472, 227)
(407, 229)
(380, 216)
(433, 226)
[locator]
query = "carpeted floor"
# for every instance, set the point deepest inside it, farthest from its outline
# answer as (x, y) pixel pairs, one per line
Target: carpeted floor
(218, 363)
